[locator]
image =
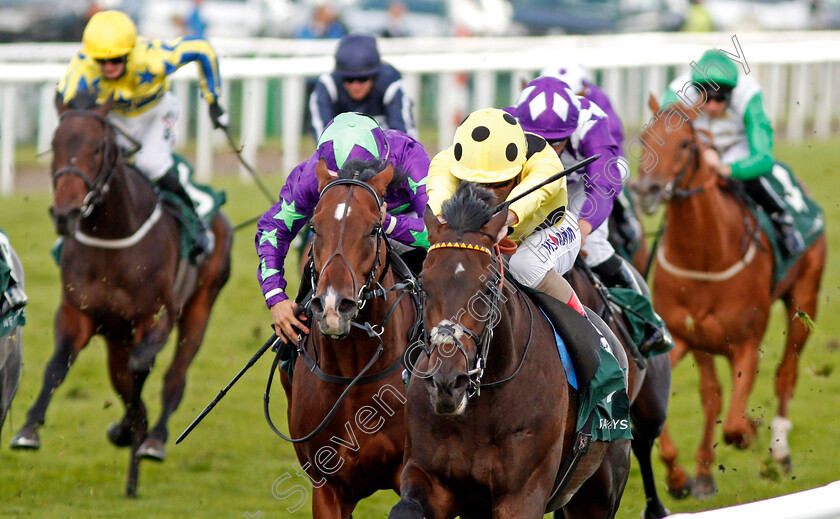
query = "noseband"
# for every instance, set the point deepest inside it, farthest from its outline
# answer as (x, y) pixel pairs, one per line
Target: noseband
(453, 330)
(97, 189)
(365, 292)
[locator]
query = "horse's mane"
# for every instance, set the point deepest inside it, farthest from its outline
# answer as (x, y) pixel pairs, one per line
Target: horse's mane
(366, 169)
(84, 100)
(469, 208)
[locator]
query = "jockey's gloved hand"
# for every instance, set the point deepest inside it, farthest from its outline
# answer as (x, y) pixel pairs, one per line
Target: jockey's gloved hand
(218, 116)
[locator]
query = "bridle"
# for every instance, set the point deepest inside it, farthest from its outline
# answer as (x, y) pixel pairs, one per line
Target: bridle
(96, 189)
(692, 165)
(454, 330)
(365, 291)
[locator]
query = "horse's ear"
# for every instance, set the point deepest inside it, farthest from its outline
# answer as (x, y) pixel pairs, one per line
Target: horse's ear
(323, 174)
(60, 107)
(433, 225)
(653, 104)
(380, 181)
(496, 223)
(105, 107)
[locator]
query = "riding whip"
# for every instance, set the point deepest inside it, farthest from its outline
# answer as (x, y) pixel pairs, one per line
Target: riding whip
(238, 151)
(268, 344)
(557, 176)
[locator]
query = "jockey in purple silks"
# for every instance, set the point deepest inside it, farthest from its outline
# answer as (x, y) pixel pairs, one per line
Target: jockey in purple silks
(577, 128)
(627, 230)
(350, 136)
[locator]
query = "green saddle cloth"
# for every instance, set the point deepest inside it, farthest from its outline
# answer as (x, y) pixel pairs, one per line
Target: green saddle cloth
(807, 216)
(638, 311)
(207, 202)
(14, 317)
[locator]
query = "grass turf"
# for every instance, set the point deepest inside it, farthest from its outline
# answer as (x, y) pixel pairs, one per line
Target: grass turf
(233, 466)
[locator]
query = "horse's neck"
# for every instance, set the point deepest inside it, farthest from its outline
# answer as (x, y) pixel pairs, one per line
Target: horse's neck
(348, 356)
(703, 230)
(510, 336)
(125, 206)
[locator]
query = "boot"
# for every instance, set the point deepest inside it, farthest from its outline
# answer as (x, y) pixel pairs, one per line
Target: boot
(616, 272)
(790, 240)
(205, 240)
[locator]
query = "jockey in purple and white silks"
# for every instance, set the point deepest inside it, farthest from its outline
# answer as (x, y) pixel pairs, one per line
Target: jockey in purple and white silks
(577, 128)
(348, 136)
(625, 228)
(577, 77)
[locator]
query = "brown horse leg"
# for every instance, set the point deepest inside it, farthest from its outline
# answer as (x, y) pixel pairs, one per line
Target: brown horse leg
(710, 397)
(647, 415)
(739, 429)
(326, 504)
(421, 496)
(678, 482)
(73, 331)
(803, 297)
(192, 325)
(121, 379)
(600, 495)
(150, 337)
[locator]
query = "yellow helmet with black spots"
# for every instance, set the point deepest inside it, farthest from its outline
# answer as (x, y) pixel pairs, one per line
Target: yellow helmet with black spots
(489, 147)
(109, 34)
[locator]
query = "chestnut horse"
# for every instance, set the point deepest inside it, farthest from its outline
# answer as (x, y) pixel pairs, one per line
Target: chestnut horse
(648, 386)
(490, 415)
(716, 290)
(360, 449)
(122, 277)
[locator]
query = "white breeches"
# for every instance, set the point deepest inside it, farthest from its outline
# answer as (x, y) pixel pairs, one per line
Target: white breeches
(597, 248)
(154, 129)
(553, 248)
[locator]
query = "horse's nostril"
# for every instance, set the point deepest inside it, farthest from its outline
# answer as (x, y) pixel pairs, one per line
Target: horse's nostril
(461, 382)
(317, 305)
(347, 306)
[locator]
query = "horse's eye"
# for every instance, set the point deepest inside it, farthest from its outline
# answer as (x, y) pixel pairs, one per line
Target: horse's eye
(99, 149)
(312, 229)
(685, 144)
(375, 230)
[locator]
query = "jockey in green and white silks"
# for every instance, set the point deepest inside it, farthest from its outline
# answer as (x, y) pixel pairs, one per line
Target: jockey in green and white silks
(730, 106)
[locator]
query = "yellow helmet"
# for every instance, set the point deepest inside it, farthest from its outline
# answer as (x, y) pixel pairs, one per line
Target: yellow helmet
(489, 147)
(108, 34)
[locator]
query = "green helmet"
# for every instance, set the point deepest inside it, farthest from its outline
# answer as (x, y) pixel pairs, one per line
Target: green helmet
(717, 68)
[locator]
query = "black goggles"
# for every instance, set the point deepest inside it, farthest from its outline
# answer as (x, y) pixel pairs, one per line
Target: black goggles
(119, 60)
(360, 79)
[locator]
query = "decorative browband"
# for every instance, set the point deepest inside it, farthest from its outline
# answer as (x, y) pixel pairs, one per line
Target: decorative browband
(460, 245)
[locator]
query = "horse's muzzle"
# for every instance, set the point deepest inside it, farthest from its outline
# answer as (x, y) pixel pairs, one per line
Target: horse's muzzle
(65, 222)
(448, 392)
(650, 195)
(334, 314)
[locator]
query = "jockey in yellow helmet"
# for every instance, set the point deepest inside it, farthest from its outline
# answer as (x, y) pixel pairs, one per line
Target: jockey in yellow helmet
(115, 62)
(491, 148)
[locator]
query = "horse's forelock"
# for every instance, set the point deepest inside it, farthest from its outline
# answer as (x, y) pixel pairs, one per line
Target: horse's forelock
(366, 169)
(85, 100)
(469, 209)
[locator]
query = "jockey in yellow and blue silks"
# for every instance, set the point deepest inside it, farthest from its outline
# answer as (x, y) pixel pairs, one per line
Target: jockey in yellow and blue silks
(491, 148)
(114, 61)
(730, 106)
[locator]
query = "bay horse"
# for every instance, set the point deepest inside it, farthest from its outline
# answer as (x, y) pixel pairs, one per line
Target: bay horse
(490, 415)
(122, 277)
(11, 346)
(648, 386)
(715, 295)
(360, 450)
